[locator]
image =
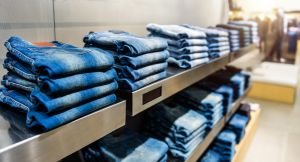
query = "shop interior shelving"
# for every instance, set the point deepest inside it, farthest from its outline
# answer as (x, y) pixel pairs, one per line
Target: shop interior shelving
(177, 80)
(17, 143)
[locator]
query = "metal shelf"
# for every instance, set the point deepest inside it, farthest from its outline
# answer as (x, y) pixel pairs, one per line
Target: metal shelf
(215, 131)
(177, 80)
(17, 143)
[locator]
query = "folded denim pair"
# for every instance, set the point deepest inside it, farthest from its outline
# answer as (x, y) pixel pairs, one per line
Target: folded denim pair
(180, 43)
(175, 31)
(211, 156)
(124, 43)
(189, 57)
(216, 45)
(208, 31)
(186, 64)
(55, 86)
(224, 90)
(238, 124)
(48, 121)
(217, 39)
(188, 50)
(129, 146)
(51, 62)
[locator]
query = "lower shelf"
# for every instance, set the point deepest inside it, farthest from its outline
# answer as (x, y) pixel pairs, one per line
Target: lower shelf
(242, 147)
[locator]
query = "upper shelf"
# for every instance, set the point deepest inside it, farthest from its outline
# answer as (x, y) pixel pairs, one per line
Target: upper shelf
(17, 143)
(177, 80)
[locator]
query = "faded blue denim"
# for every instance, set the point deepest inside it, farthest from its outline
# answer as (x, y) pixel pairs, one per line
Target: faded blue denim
(238, 124)
(131, 85)
(217, 39)
(49, 104)
(209, 32)
(188, 50)
(175, 31)
(220, 49)
(216, 45)
(51, 121)
(127, 147)
(186, 64)
(125, 43)
(211, 156)
(15, 99)
(219, 54)
(182, 42)
(189, 57)
(142, 60)
(137, 74)
(13, 81)
(57, 61)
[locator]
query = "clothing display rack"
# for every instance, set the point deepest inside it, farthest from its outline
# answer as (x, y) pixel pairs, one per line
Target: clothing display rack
(65, 140)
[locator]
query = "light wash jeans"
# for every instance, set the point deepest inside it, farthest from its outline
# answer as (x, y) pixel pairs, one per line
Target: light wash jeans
(186, 64)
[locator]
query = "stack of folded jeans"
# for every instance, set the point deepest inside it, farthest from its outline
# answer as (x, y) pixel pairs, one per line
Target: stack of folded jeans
(128, 146)
(211, 156)
(188, 48)
(244, 33)
(139, 61)
(238, 124)
(209, 104)
(237, 81)
(225, 90)
(55, 85)
(223, 145)
(253, 29)
(181, 127)
(234, 39)
(217, 39)
(245, 110)
(234, 70)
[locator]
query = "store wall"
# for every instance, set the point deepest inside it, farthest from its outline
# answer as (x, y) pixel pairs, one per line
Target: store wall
(75, 18)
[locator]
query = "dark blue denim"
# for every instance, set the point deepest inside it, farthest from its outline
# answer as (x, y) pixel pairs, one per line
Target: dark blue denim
(57, 61)
(51, 121)
(142, 60)
(126, 147)
(13, 81)
(188, 50)
(125, 43)
(238, 124)
(211, 156)
(209, 32)
(174, 31)
(49, 104)
(138, 74)
(189, 57)
(186, 64)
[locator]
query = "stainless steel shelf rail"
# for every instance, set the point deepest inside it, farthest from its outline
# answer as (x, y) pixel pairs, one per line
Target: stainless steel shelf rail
(17, 143)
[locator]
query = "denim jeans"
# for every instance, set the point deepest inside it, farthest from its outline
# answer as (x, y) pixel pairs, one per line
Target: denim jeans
(220, 49)
(226, 91)
(15, 99)
(57, 61)
(127, 147)
(178, 117)
(142, 60)
(125, 43)
(138, 74)
(217, 39)
(209, 32)
(189, 57)
(216, 45)
(13, 81)
(175, 31)
(188, 50)
(19, 68)
(53, 104)
(235, 41)
(51, 121)
(186, 64)
(238, 125)
(131, 85)
(184, 148)
(211, 156)
(182, 42)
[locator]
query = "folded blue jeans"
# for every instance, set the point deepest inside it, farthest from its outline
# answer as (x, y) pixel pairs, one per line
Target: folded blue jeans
(131, 85)
(211, 156)
(180, 43)
(142, 60)
(15, 99)
(186, 64)
(216, 45)
(129, 147)
(57, 61)
(208, 31)
(174, 31)
(12, 65)
(49, 104)
(125, 43)
(13, 81)
(220, 49)
(189, 57)
(138, 74)
(188, 50)
(217, 39)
